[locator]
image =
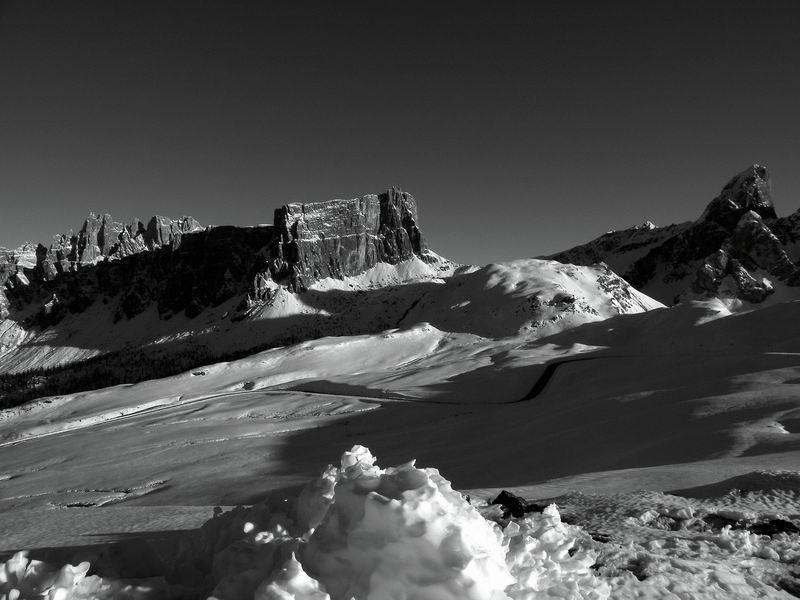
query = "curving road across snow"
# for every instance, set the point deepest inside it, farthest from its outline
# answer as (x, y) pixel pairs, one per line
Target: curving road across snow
(547, 375)
(538, 387)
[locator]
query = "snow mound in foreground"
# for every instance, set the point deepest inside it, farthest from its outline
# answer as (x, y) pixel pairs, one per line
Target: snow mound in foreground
(403, 532)
(363, 532)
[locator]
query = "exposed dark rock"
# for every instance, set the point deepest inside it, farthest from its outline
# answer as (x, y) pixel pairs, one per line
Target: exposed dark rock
(748, 287)
(774, 527)
(753, 240)
(747, 191)
(562, 299)
(12, 275)
(101, 238)
(162, 231)
(515, 505)
(791, 583)
(770, 527)
(8, 269)
(717, 522)
(712, 272)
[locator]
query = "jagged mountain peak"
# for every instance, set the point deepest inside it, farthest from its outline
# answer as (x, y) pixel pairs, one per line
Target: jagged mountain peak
(100, 237)
(738, 249)
(749, 190)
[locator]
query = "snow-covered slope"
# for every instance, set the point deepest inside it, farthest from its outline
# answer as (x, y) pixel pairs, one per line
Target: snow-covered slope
(705, 386)
(664, 399)
(535, 296)
(498, 300)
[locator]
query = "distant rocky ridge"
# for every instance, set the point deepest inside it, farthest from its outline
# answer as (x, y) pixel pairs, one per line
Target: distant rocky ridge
(738, 248)
(179, 266)
(99, 239)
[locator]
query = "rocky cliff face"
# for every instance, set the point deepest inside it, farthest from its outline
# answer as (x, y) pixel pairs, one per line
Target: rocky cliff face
(177, 266)
(346, 237)
(737, 248)
(102, 238)
(24, 270)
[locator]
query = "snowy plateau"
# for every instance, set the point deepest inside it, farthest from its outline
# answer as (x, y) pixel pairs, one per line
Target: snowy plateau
(323, 408)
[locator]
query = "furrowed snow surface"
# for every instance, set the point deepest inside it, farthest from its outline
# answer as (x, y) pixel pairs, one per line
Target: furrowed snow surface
(671, 399)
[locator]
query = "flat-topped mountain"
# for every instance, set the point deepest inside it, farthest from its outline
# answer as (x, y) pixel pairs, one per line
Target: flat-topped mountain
(737, 249)
(113, 285)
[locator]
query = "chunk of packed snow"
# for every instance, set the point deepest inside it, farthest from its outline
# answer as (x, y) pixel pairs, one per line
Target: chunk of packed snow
(291, 584)
(369, 533)
(551, 559)
(24, 579)
(403, 530)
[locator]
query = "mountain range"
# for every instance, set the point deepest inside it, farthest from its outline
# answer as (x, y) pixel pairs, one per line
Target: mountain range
(336, 268)
(340, 267)
(153, 375)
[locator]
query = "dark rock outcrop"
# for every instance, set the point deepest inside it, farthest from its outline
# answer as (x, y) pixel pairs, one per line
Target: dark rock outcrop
(747, 191)
(775, 527)
(8, 269)
(162, 231)
(12, 274)
(737, 248)
(514, 505)
(102, 238)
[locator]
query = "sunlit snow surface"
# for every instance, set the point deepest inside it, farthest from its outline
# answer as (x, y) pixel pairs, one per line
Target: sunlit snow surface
(692, 400)
(360, 531)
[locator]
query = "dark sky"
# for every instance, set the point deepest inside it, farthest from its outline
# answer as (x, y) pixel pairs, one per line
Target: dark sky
(521, 128)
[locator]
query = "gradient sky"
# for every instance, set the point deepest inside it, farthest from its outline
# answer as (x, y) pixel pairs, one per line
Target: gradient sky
(521, 128)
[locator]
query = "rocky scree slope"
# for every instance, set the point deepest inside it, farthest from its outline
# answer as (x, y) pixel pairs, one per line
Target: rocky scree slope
(738, 249)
